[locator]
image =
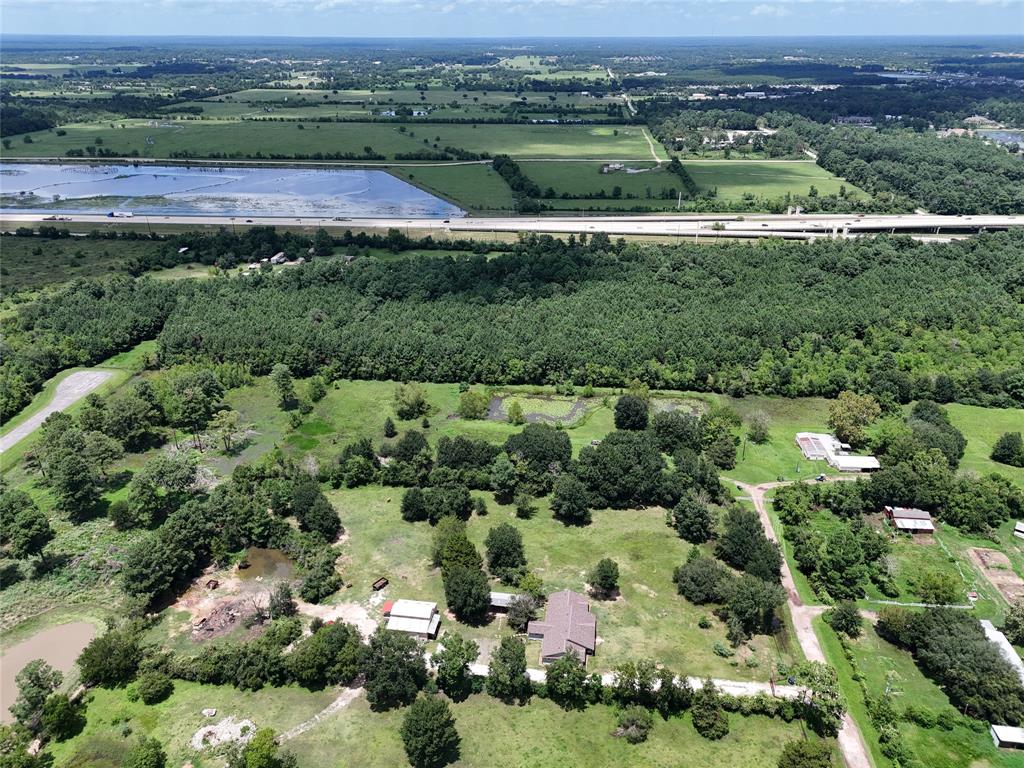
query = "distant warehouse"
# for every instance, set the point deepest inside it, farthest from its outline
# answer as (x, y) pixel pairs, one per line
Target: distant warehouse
(821, 447)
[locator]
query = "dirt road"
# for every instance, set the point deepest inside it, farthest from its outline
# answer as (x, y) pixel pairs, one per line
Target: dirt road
(69, 391)
(851, 742)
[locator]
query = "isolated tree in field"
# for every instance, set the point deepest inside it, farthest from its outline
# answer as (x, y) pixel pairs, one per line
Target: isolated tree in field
(692, 519)
(154, 686)
(473, 405)
(845, 618)
(515, 413)
(806, 754)
(750, 607)
(506, 675)
(525, 508)
(410, 402)
(850, 413)
(522, 609)
(467, 592)
(24, 528)
(709, 718)
(429, 734)
(505, 555)
(389, 428)
(631, 413)
(759, 428)
(452, 664)
(570, 500)
(604, 577)
(284, 384)
(225, 425)
(146, 753)
(1009, 449)
(567, 682)
(316, 389)
(395, 670)
(36, 681)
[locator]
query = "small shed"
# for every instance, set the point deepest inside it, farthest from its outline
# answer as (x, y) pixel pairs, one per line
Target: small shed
(1007, 737)
(910, 520)
(1018, 530)
(500, 601)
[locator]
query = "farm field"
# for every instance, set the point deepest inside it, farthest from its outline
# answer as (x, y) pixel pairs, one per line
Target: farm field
(270, 139)
(583, 181)
(475, 187)
(769, 179)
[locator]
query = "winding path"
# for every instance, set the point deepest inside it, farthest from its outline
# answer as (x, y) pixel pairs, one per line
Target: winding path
(69, 391)
(851, 741)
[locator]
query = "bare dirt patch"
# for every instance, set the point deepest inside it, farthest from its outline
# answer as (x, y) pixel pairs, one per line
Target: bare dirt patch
(997, 568)
(351, 613)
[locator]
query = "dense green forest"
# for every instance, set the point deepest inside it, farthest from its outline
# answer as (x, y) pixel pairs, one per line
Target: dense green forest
(901, 319)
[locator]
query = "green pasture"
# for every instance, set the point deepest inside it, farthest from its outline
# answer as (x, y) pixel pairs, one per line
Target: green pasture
(763, 178)
(476, 187)
(202, 137)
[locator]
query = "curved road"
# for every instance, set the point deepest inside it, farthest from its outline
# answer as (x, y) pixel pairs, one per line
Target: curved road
(851, 742)
(69, 391)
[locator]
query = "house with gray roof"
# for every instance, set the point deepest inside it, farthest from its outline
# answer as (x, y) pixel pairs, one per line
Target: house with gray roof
(568, 627)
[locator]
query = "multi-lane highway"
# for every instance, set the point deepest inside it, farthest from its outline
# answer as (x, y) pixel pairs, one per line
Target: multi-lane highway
(704, 226)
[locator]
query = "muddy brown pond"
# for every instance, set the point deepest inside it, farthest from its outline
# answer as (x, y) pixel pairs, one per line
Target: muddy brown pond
(58, 646)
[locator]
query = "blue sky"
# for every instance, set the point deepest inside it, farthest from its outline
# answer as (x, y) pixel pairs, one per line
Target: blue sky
(500, 18)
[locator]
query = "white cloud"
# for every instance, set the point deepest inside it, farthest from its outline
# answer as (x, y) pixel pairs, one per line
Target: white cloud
(765, 9)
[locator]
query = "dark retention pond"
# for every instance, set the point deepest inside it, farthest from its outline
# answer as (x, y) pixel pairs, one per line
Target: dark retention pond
(213, 191)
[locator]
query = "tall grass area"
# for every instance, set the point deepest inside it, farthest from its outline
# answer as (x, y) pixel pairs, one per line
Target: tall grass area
(472, 187)
(735, 178)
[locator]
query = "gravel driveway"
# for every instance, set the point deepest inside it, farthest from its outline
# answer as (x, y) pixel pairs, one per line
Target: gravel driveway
(72, 389)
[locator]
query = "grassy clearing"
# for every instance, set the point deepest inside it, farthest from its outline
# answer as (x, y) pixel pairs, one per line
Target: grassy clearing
(735, 178)
(283, 139)
(542, 735)
(982, 427)
(492, 733)
(648, 620)
(113, 723)
(473, 187)
(885, 667)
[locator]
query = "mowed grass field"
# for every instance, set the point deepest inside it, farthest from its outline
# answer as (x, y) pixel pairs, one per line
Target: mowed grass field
(583, 181)
(249, 138)
(763, 178)
(474, 187)
(493, 735)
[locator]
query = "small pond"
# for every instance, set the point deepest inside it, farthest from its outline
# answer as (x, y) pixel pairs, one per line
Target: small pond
(58, 646)
(266, 564)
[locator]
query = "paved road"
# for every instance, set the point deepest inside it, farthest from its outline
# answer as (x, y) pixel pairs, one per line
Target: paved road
(851, 741)
(706, 226)
(73, 388)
